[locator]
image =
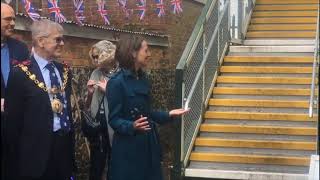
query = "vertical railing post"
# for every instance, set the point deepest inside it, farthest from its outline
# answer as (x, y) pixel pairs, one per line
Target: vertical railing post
(240, 18)
(17, 6)
(176, 169)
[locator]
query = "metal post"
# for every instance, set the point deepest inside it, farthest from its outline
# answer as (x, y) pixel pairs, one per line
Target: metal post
(17, 6)
(176, 172)
(240, 18)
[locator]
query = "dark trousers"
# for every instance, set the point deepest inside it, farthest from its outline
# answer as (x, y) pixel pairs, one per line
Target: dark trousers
(60, 159)
(99, 156)
(3, 148)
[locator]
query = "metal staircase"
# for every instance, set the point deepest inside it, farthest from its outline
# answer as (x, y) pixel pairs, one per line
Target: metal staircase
(258, 116)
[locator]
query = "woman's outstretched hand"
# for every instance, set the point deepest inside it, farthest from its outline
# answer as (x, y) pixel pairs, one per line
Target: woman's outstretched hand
(141, 124)
(178, 112)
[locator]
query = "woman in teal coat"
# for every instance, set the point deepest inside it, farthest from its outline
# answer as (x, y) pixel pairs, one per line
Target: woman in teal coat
(136, 151)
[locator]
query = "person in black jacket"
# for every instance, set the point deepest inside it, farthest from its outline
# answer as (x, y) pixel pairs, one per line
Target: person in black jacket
(38, 108)
(11, 50)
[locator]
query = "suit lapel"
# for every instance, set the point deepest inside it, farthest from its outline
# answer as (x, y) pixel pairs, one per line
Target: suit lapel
(35, 69)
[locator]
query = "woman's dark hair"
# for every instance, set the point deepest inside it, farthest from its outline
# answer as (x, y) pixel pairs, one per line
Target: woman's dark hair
(126, 47)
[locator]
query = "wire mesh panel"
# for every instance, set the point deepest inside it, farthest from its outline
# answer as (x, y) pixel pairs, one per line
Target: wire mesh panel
(211, 22)
(193, 66)
(192, 118)
(196, 70)
(199, 71)
(211, 65)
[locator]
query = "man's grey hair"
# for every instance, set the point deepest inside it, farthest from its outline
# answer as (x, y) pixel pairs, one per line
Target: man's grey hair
(43, 28)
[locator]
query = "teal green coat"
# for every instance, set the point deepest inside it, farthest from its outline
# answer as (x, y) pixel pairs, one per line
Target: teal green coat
(135, 155)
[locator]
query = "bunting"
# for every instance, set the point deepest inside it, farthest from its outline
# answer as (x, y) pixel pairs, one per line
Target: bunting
(30, 10)
(54, 10)
(141, 8)
(176, 6)
(160, 8)
(79, 11)
(103, 12)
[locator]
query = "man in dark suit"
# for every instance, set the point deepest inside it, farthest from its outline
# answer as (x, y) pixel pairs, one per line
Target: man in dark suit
(39, 110)
(11, 50)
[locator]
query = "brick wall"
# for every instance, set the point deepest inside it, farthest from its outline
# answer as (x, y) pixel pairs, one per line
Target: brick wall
(162, 65)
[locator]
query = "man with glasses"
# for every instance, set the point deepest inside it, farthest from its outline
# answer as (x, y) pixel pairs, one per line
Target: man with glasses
(39, 110)
(11, 49)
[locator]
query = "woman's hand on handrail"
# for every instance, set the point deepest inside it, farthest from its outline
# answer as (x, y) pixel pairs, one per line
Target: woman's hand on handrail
(178, 112)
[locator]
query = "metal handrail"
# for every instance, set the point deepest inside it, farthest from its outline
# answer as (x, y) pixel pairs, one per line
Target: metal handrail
(247, 19)
(314, 69)
(194, 38)
(187, 100)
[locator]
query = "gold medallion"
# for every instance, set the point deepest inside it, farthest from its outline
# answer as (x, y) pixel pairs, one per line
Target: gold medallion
(56, 106)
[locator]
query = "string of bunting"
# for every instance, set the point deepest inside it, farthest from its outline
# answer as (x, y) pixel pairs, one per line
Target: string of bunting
(103, 12)
(79, 11)
(30, 10)
(141, 9)
(55, 12)
(104, 27)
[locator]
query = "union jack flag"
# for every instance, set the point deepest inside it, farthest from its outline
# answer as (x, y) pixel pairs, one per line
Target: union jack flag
(54, 10)
(30, 10)
(160, 8)
(103, 12)
(123, 5)
(79, 9)
(142, 8)
(176, 6)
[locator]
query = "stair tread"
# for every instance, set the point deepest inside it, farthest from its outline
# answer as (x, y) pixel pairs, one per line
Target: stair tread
(270, 69)
(281, 27)
(263, 80)
(262, 91)
(280, 34)
(285, 20)
(251, 159)
(269, 59)
(238, 167)
(218, 142)
(279, 7)
(286, 1)
(258, 103)
(284, 13)
(304, 131)
(258, 116)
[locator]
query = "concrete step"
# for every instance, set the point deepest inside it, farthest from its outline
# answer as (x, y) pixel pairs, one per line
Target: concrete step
(261, 123)
(254, 151)
(285, 14)
(222, 128)
(282, 27)
(284, 20)
(258, 116)
(250, 136)
(262, 91)
(286, 7)
(258, 97)
(263, 80)
(258, 103)
(274, 54)
(274, 69)
(246, 171)
(281, 34)
(250, 159)
(268, 59)
(263, 85)
(272, 49)
(287, 2)
(248, 74)
(244, 143)
(259, 109)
